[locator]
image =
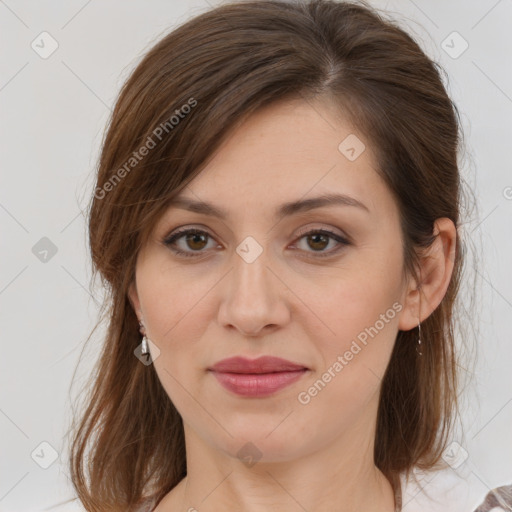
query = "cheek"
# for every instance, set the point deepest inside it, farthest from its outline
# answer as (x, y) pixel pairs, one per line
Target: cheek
(174, 312)
(174, 301)
(361, 313)
(179, 366)
(353, 361)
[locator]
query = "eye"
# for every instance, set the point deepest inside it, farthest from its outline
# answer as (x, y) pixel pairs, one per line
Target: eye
(197, 239)
(319, 239)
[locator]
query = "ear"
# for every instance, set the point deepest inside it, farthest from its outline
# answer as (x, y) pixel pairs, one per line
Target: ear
(435, 274)
(133, 296)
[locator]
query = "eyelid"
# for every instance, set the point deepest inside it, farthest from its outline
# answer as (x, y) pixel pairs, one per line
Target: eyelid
(329, 230)
(176, 234)
(342, 242)
(302, 231)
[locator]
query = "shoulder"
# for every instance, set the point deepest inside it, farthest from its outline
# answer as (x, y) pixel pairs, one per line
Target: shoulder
(447, 490)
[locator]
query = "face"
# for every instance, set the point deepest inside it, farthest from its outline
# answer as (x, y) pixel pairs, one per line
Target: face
(320, 287)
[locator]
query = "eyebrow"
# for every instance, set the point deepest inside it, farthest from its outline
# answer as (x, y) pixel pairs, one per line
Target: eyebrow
(284, 210)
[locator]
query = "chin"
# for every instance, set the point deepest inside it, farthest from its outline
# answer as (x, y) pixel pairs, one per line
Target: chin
(264, 440)
(252, 451)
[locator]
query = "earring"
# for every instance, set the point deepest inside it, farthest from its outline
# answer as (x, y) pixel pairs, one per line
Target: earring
(144, 348)
(418, 346)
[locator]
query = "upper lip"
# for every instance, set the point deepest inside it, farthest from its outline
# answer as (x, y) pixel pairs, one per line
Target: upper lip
(263, 364)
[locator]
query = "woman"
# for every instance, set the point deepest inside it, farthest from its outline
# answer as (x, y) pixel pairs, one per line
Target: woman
(276, 213)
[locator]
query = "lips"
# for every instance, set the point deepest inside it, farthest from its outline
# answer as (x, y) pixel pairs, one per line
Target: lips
(256, 378)
(264, 364)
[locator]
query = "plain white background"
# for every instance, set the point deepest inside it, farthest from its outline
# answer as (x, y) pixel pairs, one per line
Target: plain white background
(53, 114)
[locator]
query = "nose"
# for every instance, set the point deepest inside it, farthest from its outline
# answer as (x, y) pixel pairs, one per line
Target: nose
(253, 298)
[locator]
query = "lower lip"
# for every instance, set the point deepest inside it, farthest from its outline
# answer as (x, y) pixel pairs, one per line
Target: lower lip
(257, 385)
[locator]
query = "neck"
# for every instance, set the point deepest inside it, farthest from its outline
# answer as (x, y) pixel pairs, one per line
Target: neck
(339, 475)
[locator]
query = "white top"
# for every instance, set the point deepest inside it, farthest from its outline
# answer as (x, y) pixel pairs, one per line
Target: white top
(447, 491)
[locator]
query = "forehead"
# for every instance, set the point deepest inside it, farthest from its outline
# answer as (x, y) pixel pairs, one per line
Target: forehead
(285, 152)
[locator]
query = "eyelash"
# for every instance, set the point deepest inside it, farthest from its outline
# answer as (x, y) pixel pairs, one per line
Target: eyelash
(170, 240)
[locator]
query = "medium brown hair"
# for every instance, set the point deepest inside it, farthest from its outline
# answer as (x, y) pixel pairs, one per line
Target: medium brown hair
(193, 88)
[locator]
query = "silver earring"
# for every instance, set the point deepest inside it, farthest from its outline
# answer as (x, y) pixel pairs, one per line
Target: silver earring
(144, 348)
(418, 346)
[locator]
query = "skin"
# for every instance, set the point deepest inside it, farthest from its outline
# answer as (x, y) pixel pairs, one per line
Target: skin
(291, 303)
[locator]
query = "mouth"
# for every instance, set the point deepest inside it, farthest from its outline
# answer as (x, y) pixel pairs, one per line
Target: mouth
(258, 377)
(263, 364)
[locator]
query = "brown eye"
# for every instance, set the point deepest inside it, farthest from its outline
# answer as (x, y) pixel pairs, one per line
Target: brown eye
(195, 240)
(318, 240)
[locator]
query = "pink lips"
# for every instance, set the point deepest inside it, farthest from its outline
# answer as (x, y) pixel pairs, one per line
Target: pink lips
(256, 377)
